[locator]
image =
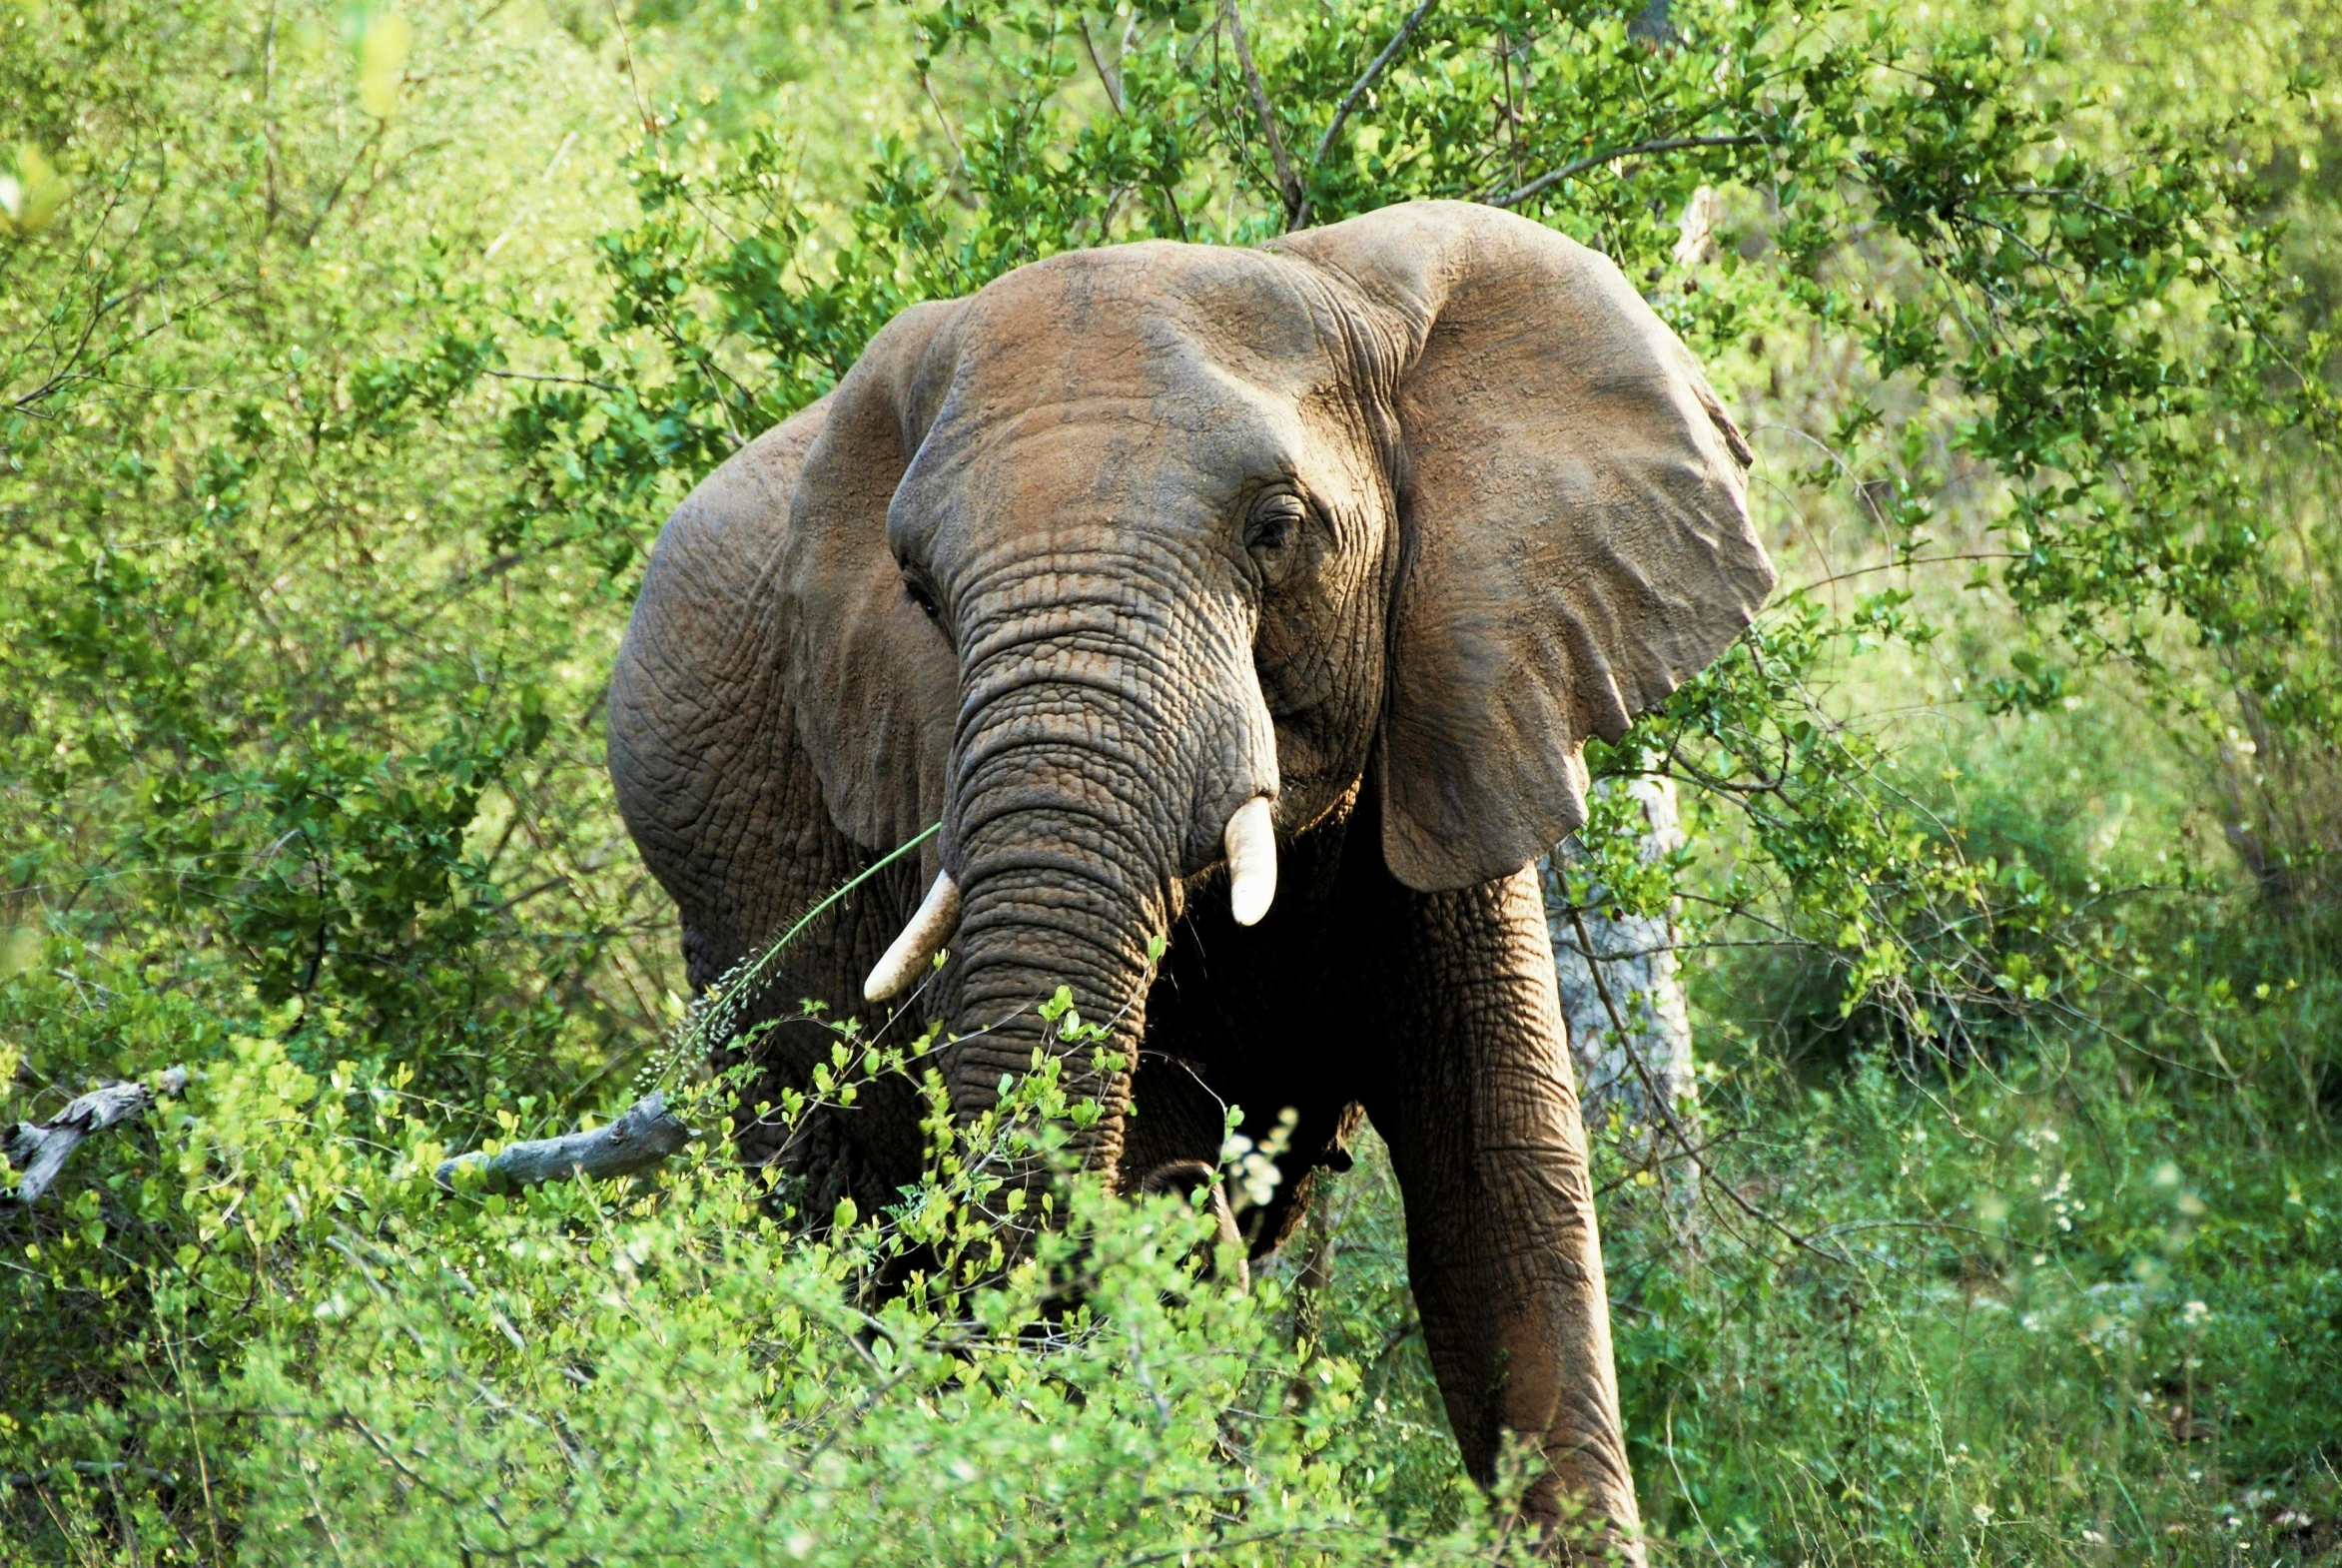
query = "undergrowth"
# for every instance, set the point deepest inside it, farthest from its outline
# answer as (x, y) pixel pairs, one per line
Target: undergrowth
(2048, 1308)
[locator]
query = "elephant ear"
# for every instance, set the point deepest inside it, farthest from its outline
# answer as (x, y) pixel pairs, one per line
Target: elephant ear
(1574, 511)
(871, 680)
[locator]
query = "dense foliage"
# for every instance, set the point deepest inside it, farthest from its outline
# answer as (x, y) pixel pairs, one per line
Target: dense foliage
(350, 356)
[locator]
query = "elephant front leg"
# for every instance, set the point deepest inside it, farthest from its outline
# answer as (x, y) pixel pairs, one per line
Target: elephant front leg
(1478, 1105)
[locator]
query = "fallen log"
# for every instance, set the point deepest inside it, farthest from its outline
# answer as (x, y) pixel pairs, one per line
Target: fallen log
(40, 1149)
(645, 1134)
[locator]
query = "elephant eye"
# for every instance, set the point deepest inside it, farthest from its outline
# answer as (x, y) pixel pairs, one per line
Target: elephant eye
(917, 594)
(1274, 517)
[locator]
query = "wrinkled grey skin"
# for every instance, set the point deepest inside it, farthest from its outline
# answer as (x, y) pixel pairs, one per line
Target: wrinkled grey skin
(1381, 522)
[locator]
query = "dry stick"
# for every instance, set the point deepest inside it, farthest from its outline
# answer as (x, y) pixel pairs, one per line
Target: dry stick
(40, 1149)
(1364, 85)
(1669, 144)
(195, 1439)
(647, 1133)
(959, 156)
(633, 79)
(1114, 88)
(1288, 185)
(1666, 1110)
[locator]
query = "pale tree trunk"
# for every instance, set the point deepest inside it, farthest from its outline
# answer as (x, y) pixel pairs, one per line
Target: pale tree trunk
(1638, 968)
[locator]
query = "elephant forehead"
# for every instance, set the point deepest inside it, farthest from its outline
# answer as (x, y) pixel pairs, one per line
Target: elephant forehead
(1204, 428)
(1138, 385)
(1135, 323)
(1086, 475)
(1151, 296)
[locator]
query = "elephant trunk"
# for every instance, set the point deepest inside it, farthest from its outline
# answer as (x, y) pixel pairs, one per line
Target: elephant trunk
(1038, 917)
(1091, 773)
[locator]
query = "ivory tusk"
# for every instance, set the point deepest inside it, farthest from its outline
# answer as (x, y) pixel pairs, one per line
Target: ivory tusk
(922, 939)
(1251, 861)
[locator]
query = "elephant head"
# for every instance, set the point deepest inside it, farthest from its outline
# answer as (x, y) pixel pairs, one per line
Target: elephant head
(1142, 560)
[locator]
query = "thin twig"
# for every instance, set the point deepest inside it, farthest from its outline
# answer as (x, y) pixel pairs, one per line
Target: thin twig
(650, 123)
(1667, 143)
(556, 380)
(1916, 560)
(1659, 1101)
(1289, 186)
(1363, 86)
(1106, 79)
(959, 156)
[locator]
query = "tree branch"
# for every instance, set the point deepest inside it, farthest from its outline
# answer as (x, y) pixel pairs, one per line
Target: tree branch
(647, 1133)
(1666, 143)
(1106, 79)
(40, 1149)
(1363, 86)
(1288, 185)
(959, 154)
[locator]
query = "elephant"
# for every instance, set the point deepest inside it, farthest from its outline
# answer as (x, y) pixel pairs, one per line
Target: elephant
(1256, 601)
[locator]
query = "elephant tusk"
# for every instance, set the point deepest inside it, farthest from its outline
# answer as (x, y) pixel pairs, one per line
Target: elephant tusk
(1251, 861)
(929, 928)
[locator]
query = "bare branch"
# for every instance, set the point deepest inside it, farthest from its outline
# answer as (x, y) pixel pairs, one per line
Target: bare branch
(1288, 185)
(647, 1133)
(1106, 79)
(1666, 143)
(554, 380)
(1675, 1128)
(40, 1149)
(650, 123)
(1900, 565)
(1363, 86)
(964, 190)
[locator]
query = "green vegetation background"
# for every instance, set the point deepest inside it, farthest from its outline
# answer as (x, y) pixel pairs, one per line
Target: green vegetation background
(350, 358)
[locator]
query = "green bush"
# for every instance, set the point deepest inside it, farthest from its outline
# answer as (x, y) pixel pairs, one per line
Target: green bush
(340, 1360)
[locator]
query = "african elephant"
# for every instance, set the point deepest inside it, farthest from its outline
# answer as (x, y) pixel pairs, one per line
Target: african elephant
(1258, 600)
